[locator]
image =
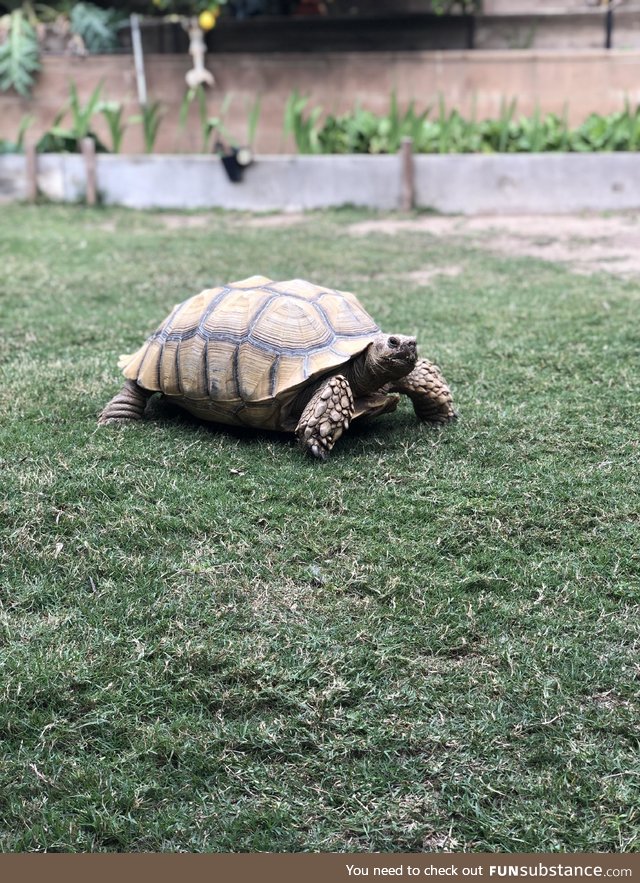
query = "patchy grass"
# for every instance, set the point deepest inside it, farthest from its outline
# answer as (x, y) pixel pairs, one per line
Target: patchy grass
(209, 642)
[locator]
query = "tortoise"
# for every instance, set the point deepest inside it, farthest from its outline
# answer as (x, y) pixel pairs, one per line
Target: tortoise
(288, 356)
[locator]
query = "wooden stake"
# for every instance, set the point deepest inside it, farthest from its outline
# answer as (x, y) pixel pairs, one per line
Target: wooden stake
(88, 147)
(408, 192)
(31, 163)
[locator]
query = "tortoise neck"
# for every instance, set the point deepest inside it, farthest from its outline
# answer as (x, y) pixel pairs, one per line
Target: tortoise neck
(363, 377)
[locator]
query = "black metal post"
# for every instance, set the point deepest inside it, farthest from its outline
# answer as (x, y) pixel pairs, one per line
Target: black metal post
(608, 21)
(471, 31)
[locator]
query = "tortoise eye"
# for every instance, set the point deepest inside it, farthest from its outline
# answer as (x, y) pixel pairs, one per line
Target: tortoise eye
(393, 341)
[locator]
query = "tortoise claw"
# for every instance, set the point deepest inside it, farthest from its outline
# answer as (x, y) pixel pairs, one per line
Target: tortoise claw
(318, 452)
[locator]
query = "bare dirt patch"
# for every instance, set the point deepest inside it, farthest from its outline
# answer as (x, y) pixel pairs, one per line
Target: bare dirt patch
(284, 220)
(584, 243)
(194, 222)
(184, 222)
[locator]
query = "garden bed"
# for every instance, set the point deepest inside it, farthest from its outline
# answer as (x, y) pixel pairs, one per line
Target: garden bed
(466, 184)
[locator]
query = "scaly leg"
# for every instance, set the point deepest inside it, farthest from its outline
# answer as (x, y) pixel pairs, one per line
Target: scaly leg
(128, 404)
(326, 416)
(428, 391)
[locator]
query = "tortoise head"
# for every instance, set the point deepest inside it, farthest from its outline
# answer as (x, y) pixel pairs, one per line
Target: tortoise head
(391, 356)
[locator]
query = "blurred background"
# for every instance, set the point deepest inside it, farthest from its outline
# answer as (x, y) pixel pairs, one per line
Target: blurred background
(496, 59)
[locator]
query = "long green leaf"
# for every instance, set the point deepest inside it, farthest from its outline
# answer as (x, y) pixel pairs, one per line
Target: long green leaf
(97, 27)
(19, 55)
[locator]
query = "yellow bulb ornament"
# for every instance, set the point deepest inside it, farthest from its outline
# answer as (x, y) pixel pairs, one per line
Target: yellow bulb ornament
(207, 20)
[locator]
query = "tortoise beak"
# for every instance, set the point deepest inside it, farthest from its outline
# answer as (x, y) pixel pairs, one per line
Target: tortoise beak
(408, 351)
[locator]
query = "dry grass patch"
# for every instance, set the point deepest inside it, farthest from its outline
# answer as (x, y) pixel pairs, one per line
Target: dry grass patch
(586, 244)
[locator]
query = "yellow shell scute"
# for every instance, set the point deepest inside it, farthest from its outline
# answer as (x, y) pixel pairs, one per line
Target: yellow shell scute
(193, 381)
(221, 381)
(255, 371)
(251, 282)
(305, 326)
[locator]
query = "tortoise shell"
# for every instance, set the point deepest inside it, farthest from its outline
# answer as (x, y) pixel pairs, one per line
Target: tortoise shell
(239, 354)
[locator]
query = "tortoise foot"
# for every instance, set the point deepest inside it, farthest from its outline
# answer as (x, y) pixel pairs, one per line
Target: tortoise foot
(326, 416)
(429, 393)
(128, 404)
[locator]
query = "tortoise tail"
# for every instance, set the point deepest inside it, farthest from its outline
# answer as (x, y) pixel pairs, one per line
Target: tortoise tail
(128, 404)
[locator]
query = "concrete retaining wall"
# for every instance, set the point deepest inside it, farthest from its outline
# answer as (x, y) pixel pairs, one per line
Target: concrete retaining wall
(61, 177)
(272, 183)
(528, 183)
(465, 184)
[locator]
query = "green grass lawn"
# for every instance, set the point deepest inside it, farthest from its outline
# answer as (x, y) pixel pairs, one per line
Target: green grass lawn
(210, 643)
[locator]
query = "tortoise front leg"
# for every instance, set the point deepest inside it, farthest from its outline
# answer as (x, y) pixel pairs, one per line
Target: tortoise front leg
(428, 391)
(128, 404)
(326, 416)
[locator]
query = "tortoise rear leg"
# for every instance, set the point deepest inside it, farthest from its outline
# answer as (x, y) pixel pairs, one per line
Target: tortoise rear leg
(326, 416)
(128, 404)
(426, 387)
